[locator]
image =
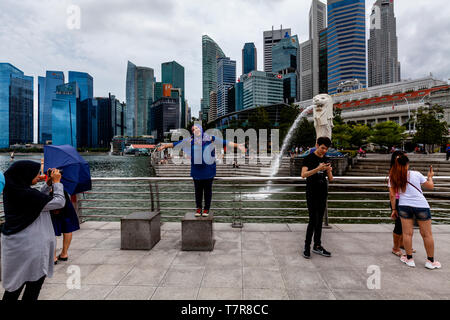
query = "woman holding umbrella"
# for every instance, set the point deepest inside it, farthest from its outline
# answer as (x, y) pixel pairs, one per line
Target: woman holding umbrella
(28, 240)
(204, 171)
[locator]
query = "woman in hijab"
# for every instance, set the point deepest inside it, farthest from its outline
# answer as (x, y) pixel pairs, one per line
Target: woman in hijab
(27, 239)
(203, 170)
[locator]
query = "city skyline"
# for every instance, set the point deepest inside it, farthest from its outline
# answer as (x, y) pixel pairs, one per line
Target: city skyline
(36, 47)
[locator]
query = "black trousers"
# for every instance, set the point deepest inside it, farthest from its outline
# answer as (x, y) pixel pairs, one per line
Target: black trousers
(31, 293)
(316, 199)
(203, 187)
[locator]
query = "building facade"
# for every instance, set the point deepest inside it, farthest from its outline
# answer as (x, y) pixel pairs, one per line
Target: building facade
(270, 38)
(226, 78)
(46, 93)
(139, 98)
(210, 53)
(346, 42)
(165, 117)
(285, 55)
(317, 22)
(262, 89)
(383, 63)
(173, 73)
(239, 95)
(16, 106)
(212, 114)
(64, 114)
(85, 84)
(323, 61)
(249, 58)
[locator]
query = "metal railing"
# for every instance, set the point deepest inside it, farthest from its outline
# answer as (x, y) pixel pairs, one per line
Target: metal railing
(242, 199)
(247, 198)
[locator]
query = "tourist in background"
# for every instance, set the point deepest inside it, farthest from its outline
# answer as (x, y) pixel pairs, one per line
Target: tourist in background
(27, 239)
(448, 151)
(202, 173)
(316, 169)
(412, 204)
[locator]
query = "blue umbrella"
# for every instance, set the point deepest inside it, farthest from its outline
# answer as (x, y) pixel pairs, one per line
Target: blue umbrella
(2, 182)
(76, 177)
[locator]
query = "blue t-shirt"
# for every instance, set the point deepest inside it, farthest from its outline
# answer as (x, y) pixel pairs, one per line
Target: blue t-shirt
(2, 182)
(206, 169)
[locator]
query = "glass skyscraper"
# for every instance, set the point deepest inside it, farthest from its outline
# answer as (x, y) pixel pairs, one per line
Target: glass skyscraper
(226, 78)
(16, 106)
(249, 58)
(46, 93)
(285, 56)
(85, 84)
(140, 96)
(239, 95)
(173, 73)
(346, 42)
(210, 53)
(64, 114)
(262, 89)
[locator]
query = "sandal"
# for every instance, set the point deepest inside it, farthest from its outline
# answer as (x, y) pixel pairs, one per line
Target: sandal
(398, 253)
(62, 259)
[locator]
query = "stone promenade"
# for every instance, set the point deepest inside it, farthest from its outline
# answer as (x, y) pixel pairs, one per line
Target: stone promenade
(261, 261)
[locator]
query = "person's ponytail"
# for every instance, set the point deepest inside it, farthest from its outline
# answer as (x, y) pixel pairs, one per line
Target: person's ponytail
(398, 175)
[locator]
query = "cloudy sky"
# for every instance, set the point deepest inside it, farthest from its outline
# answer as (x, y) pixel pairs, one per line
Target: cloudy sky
(34, 36)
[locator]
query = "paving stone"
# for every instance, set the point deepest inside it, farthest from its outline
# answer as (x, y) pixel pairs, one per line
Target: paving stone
(259, 278)
(191, 258)
(306, 279)
(260, 260)
(131, 293)
(144, 275)
(224, 260)
(108, 274)
(265, 294)
(88, 292)
(52, 291)
(220, 294)
(183, 276)
(301, 294)
(175, 293)
(216, 277)
(227, 247)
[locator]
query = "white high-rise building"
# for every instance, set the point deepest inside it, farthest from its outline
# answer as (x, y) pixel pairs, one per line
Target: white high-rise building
(270, 38)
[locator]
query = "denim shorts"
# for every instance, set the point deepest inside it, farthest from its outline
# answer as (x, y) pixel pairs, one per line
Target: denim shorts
(421, 214)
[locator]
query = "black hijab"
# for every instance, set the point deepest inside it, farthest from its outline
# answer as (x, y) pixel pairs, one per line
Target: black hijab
(22, 203)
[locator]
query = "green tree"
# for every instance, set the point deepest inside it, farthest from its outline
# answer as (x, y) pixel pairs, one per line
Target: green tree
(342, 135)
(259, 119)
(430, 126)
(387, 134)
(305, 134)
(359, 135)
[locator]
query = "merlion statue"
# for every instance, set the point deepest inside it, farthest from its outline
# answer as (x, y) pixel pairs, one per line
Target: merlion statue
(323, 115)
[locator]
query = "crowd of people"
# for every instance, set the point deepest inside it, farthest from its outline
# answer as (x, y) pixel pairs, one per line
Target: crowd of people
(33, 218)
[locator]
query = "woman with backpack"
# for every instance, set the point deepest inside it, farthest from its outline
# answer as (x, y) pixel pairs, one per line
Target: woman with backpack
(412, 204)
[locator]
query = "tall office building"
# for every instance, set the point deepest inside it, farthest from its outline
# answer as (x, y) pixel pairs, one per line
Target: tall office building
(46, 93)
(110, 117)
(270, 38)
(309, 62)
(87, 123)
(173, 73)
(165, 115)
(212, 113)
(249, 58)
(85, 84)
(210, 53)
(346, 43)
(285, 55)
(323, 61)
(226, 78)
(139, 96)
(16, 106)
(317, 22)
(64, 114)
(262, 89)
(383, 63)
(239, 95)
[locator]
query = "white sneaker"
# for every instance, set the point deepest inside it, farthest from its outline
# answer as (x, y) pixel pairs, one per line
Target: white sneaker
(409, 263)
(432, 265)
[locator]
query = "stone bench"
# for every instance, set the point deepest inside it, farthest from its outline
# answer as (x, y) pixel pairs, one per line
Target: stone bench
(197, 233)
(140, 230)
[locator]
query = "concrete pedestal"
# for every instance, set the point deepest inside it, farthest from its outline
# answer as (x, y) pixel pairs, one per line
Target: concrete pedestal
(197, 233)
(140, 230)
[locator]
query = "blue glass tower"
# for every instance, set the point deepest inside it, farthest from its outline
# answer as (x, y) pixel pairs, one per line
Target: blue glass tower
(226, 78)
(285, 55)
(239, 92)
(16, 106)
(64, 114)
(249, 58)
(85, 84)
(173, 73)
(47, 92)
(346, 42)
